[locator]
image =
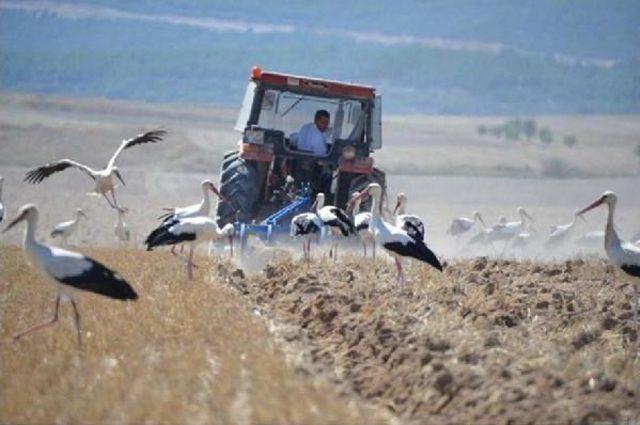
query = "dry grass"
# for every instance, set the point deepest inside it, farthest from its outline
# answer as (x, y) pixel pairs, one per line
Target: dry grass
(185, 352)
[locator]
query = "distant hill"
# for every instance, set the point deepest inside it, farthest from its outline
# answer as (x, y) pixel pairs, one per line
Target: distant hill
(448, 57)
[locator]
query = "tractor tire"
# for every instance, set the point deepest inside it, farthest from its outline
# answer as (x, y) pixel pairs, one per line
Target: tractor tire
(362, 181)
(239, 186)
(229, 157)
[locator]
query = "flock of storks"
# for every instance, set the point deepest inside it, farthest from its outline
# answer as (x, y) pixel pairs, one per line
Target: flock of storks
(399, 234)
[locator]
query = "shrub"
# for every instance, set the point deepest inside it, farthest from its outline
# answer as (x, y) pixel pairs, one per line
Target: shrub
(545, 135)
(570, 140)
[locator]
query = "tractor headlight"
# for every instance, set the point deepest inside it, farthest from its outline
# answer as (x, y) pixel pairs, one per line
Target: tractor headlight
(348, 152)
(254, 136)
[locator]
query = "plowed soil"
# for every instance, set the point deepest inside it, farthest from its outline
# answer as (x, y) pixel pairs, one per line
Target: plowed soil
(485, 342)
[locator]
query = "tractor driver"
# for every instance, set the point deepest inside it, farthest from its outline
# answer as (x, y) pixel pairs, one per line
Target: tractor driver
(313, 137)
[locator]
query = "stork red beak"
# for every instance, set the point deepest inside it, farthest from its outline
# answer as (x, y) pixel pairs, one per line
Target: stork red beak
(15, 221)
(357, 198)
(217, 192)
(395, 210)
(526, 214)
(597, 203)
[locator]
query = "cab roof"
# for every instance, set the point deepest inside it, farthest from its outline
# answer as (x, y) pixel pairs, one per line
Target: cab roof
(311, 85)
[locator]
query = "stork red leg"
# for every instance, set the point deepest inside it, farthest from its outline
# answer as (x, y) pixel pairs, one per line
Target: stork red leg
(49, 322)
(76, 319)
(400, 276)
(115, 202)
(190, 264)
(109, 201)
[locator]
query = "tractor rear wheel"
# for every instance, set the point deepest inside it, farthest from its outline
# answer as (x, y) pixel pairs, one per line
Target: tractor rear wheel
(239, 186)
(360, 182)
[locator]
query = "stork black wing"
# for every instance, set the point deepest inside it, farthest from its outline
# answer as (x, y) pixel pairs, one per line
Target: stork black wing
(413, 230)
(631, 269)
(344, 221)
(415, 249)
(37, 175)
(162, 236)
(101, 280)
(153, 136)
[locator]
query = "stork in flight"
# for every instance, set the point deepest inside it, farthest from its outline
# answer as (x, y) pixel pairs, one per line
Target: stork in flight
(69, 271)
(104, 179)
(393, 239)
(622, 254)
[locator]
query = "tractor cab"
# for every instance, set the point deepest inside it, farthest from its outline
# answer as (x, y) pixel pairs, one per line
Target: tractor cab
(273, 165)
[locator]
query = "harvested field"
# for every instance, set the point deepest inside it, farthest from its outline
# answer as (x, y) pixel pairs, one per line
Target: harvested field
(185, 352)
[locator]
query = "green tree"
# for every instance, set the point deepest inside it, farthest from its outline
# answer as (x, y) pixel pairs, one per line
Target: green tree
(545, 135)
(570, 140)
(482, 129)
(529, 128)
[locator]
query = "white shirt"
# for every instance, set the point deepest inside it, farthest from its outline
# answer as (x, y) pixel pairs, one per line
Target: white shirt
(313, 140)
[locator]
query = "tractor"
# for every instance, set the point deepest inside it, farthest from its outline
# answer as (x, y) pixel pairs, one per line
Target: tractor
(269, 179)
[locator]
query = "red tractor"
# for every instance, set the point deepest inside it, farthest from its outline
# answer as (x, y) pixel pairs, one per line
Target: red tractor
(269, 171)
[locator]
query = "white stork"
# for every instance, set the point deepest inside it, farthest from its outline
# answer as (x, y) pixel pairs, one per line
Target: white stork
(482, 235)
(307, 226)
(361, 221)
(523, 238)
(68, 270)
(462, 225)
(122, 229)
(410, 223)
(201, 209)
(66, 228)
(104, 179)
(336, 220)
(191, 230)
(635, 239)
(561, 233)
(622, 254)
(1, 206)
(506, 231)
(394, 240)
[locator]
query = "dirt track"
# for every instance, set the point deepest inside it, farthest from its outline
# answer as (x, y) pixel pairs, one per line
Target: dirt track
(486, 342)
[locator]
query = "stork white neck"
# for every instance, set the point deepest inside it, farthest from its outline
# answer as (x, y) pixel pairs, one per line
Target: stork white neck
(30, 230)
(610, 235)
(401, 204)
(319, 201)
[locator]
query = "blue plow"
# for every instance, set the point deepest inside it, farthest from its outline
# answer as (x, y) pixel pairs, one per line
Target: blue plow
(277, 224)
